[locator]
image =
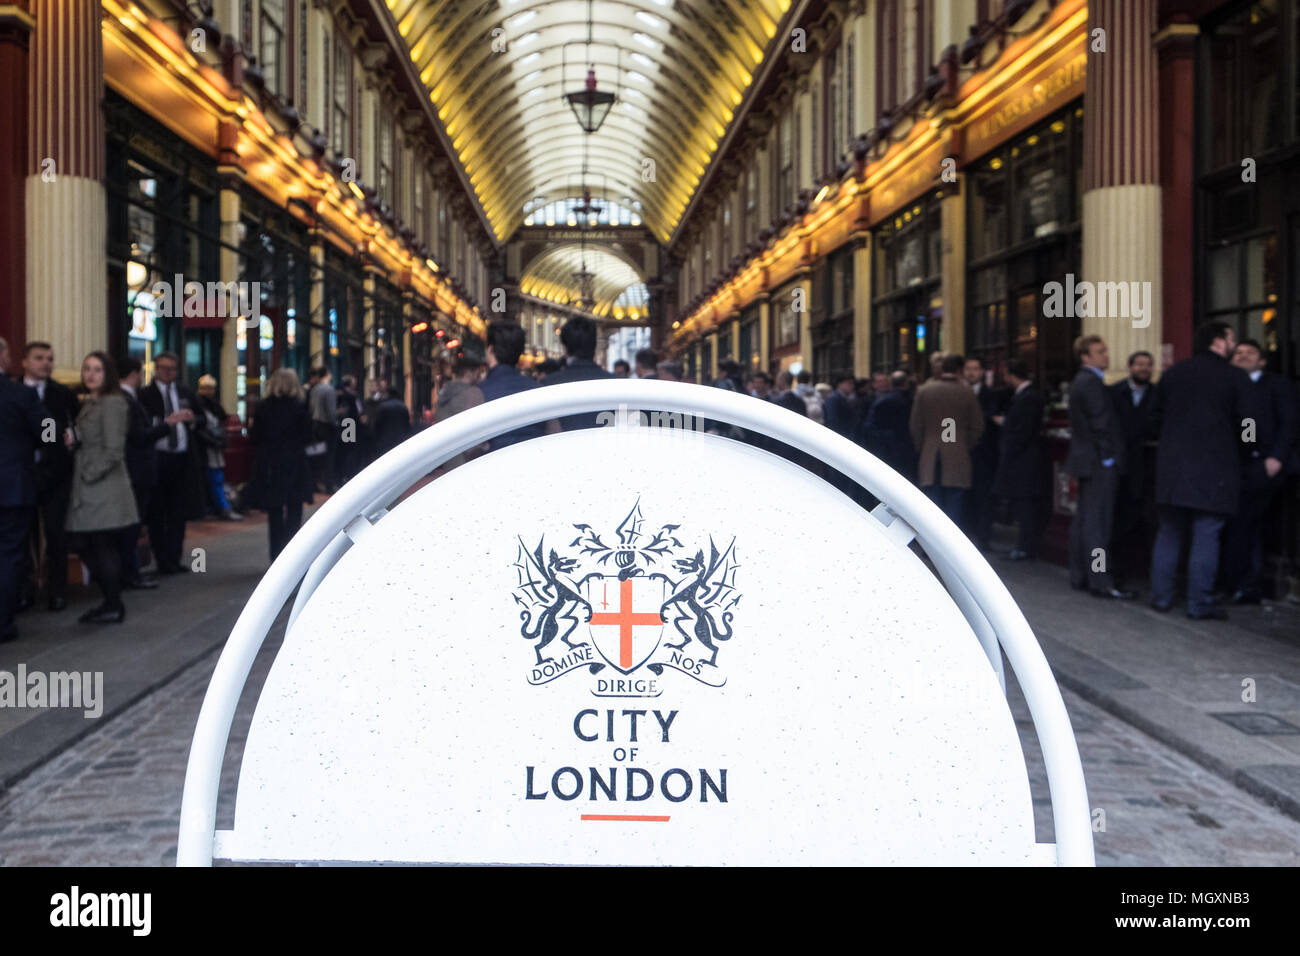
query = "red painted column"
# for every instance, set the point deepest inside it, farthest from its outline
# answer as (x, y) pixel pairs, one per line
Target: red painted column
(15, 37)
(1175, 45)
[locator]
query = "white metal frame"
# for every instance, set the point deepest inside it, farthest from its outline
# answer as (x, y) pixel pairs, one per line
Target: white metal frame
(904, 512)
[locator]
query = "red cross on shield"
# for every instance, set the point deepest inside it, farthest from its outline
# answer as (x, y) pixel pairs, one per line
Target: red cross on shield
(625, 623)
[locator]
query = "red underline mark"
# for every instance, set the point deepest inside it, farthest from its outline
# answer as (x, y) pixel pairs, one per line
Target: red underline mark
(624, 818)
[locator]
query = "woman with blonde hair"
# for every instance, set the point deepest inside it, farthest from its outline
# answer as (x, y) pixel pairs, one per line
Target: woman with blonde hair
(102, 503)
(280, 433)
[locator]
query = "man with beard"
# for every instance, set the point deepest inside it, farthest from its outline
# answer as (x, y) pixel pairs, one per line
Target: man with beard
(1198, 466)
(1137, 407)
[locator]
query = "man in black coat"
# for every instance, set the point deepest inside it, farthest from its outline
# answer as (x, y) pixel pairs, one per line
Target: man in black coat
(840, 410)
(392, 422)
(1096, 459)
(1137, 406)
(1021, 475)
(347, 404)
(141, 466)
(22, 420)
(579, 339)
(53, 477)
(180, 471)
(1207, 404)
(1262, 472)
(886, 431)
(984, 456)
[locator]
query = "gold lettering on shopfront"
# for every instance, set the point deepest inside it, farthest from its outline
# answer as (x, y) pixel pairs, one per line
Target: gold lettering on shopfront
(1040, 97)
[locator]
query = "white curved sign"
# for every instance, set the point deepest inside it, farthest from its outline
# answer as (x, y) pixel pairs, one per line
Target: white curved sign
(573, 651)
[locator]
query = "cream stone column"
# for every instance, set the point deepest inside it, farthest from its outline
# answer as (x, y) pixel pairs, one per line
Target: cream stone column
(805, 322)
(317, 342)
(408, 310)
(862, 305)
(953, 265)
(765, 331)
(1121, 199)
(318, 66)
(865, 109)
(229, 205)
(66, 227)
(371, 350)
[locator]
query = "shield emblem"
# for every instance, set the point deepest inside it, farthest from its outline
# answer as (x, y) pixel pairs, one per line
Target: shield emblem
(625, 623)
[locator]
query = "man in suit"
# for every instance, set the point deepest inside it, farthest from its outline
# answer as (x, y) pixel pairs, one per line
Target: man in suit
(505, 343)
(1261, 474)
(22, 421)
(841, 407)
(347, 405)
(1207, 403)
(141, 465)
(1021, 475)
(647, 364)
(946, 423)
(166, 400)
(1137, 406)
(1095, 460)
(579, 339)
(53, 477)
(886, 431)
(984, 456)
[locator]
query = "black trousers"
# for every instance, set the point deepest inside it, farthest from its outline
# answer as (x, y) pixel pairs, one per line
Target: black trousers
(50, 514)
(1031, 517)
(1243, 536)
(14, 525)
(980, 501)
(167, 510)
(130, 537)
(282, 522)
(1090, 558)
(102, 554)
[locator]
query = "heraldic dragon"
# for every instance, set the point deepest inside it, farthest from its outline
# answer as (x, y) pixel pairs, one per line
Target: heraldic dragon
(702, 593)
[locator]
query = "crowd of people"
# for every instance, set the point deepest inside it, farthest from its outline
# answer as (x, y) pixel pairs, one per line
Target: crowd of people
(1223, 427)
(99, 469)
(87, 470)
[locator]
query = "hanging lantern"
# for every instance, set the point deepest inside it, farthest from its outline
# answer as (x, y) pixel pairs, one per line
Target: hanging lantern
(590, 105)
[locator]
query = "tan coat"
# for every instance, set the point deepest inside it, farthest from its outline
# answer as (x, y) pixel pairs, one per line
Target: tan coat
(946, 423)
(101, 488)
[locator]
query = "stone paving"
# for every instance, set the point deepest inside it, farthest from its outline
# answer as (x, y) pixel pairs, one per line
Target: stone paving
(1146, 694)
(113, 798)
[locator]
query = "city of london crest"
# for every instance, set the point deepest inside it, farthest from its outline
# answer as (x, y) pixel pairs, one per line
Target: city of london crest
(627, 610)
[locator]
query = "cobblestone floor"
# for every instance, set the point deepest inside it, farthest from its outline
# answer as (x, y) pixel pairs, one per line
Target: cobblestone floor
(114, 797)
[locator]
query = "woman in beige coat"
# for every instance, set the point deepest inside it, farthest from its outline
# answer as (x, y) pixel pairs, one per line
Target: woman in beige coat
(102, 503)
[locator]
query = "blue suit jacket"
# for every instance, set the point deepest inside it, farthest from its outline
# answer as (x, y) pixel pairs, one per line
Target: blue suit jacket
(507, 380)
(21, 418)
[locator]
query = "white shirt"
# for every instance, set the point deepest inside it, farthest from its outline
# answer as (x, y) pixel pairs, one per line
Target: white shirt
(1256, 375)
(172, 403)
(36, 383)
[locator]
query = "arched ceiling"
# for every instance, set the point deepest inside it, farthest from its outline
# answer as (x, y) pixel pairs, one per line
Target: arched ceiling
(497, 72)
(551, 276)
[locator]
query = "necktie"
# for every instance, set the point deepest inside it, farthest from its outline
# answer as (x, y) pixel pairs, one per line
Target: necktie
(169, 406)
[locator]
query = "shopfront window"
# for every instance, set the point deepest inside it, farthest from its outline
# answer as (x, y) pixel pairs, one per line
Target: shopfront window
(1023, 227)
(907, 307)
(724, 343)
(749, 353)
(162, 223)
(831, 318)
(1246, 93)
